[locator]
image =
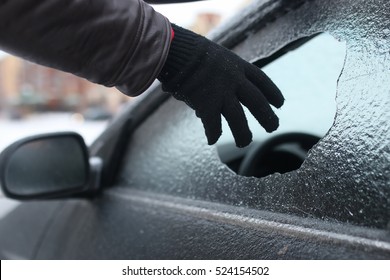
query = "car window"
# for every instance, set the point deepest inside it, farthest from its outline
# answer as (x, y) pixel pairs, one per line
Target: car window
(307, 77)
(345, 176)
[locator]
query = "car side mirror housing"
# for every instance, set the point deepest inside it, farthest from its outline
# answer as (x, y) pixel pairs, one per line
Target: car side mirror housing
(47, 166)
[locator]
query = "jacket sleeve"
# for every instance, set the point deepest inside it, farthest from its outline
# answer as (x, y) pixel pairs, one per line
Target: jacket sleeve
(122, 43)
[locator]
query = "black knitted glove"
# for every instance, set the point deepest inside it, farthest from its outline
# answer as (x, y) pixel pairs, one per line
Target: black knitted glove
(213, 80)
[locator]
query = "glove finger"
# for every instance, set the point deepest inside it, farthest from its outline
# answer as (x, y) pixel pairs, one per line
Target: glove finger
(235, 116)
(212, 126)
(265, 84)
(252, 98)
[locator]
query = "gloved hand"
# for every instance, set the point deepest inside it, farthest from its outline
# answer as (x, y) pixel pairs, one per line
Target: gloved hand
(213, 80)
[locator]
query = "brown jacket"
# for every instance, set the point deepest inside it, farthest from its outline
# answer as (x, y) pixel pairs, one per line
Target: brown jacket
(122, 43)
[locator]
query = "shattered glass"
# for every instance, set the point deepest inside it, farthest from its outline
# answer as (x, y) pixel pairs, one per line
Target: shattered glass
(346, 177)
(307, 76)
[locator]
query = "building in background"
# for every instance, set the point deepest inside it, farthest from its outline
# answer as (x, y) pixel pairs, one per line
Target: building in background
(9, 80)
(204, 22)
(26, 87)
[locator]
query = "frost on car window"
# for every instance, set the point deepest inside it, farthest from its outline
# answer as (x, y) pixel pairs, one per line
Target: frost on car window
(346, 176)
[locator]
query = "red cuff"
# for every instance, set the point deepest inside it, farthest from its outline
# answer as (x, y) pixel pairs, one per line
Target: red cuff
(172, 34)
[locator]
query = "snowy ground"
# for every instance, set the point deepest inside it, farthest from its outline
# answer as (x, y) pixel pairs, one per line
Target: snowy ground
(11, 131)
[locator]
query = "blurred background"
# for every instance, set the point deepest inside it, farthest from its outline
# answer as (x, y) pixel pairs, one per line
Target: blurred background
(36, 99)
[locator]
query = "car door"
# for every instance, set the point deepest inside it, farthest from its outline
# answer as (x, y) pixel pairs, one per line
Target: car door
(167, 195)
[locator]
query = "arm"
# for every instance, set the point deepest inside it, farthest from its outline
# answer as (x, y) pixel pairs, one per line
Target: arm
(122, 43)
(125, 43)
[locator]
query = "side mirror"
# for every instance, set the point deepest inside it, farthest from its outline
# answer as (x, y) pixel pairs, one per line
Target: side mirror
(46, 166)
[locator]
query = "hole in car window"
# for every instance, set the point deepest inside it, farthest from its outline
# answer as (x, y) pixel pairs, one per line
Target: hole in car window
(307, 77)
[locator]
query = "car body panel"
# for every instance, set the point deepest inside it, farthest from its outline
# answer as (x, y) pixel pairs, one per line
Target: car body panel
(128, 224)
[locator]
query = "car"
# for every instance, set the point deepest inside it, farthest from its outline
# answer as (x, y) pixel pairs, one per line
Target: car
(151, 188)
(97, 114)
